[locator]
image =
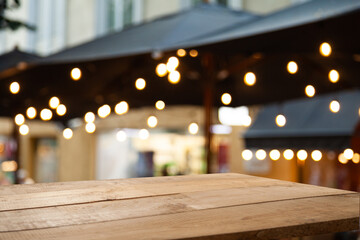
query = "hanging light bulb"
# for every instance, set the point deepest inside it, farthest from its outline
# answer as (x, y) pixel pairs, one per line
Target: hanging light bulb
(260, 154)
(172, 64)
(140, 84)
(14, 87)
(144, 134)
(302, 155)
(19, 119)
(61, 110)
(121, 136)
(160, 105)
(310, 91)
(348, 153)
(181, 52)
(174, 77)
(292, 67)
(334, 76)
(193, 53)
(54, 102)
(104, 111)
(193, 128)
(31, 112)
(89, 117)
(246, 121)
(334, 106)
(90, 127)
(274, 154)
(121, 108)
(161, 69)
(250, 79)
(247, 154)
(316, 155)
(226, 98)
(46, 114)
(24, 129)
(280, 120)
(152, 121)
(75, 74)
(288, 154)
(325, 49)
(67, 133)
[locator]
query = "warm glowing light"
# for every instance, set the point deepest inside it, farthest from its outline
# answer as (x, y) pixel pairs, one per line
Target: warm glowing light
(302, 155)
(9, 166)
(172, 64)
(310, 91)
(89, 117)
(316, 155)
(292, 67)
(348, 153)
(90, 127)
(260, 154)
(160, 105)
(46, 114)
(193, 53)
(140, 84)
(247, 154)
(226, 98)
(288, 154)
(75, 74)
(14, 87)
(181, 52)
(174, 77)
(121, 136)
(334, 106)
(121, 108)
(246, 121)
(161, 70)
(104, 111)
(250, 79)
(24, 129)
(54, 102)
(152, 121)
(356, 158)
(19, 119)
(61, 110)
(280, 120)
(144, 134)
(31, 112)
(325, 49)
(274, 154)
(334, 76)
(67, 133)
(342, 159)
(193, 128)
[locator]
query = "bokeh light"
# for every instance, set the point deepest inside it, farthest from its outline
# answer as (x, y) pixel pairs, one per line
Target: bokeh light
(288, 154)
(19, 119)
(104, 111)
(14, 87)
(172, 64)
(181, 52)
(54, 102)
(90, 127)
(61, 110)
(250, 79)
(302, 155)
(46, 114)
(75, 74)
(121, 108)
(174, 77)
(316, 155)
(140, 84)
(310, 91)
(152, 121)
(342, 159)
(334, 76)
(193, 128)
(193, 53)
(292, 67)
(67, 133)
(260, 154)
(356, 158)
(247, 154)
(89, 117)
(160, 105)
(280, 120)
(226, 98)
(121, 136)
(274, 155)
(325, 49)
(31, 112)
(348, 153)
(161, 70)
(334, 106)
(24, 129)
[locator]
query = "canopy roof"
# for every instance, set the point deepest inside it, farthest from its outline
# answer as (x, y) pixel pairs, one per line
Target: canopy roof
(309, 123)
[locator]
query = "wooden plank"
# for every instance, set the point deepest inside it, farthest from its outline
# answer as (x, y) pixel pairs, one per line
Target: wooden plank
(268, 220)
(149, 206)
(57, 194)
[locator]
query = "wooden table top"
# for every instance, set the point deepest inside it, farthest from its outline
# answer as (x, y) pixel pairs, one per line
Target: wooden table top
(224, 206)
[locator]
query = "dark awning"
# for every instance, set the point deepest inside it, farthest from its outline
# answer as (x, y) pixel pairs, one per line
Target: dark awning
(310, 123)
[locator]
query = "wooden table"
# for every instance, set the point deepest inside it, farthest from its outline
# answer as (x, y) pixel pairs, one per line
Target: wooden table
(224, 206)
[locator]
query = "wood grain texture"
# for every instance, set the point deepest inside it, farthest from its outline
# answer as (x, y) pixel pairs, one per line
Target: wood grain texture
(219, 206)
